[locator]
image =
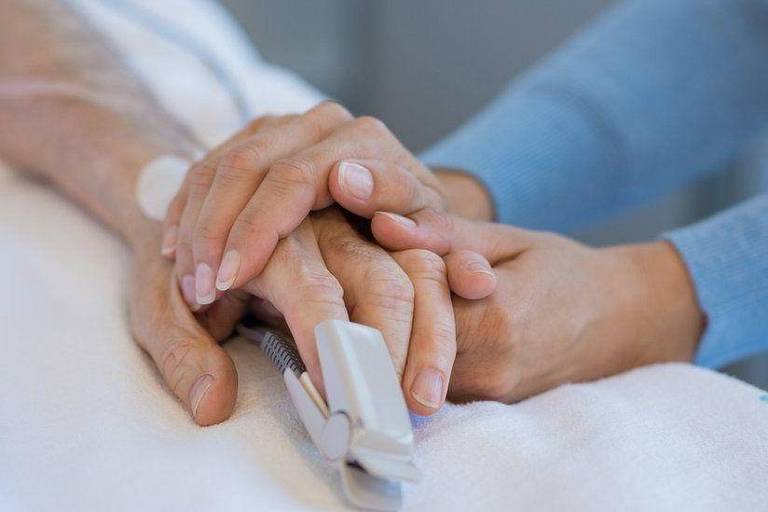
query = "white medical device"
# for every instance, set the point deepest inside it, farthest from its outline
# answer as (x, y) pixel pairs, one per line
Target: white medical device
(364, 428)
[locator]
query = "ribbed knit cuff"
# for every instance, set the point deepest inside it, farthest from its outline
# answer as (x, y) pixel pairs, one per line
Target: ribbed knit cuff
(727, 256)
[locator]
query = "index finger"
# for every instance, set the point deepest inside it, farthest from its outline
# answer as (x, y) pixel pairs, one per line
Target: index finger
(176, 207)
(298, 284)
(292, 188)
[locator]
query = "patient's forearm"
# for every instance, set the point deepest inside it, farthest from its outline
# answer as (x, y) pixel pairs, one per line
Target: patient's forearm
(72, 112)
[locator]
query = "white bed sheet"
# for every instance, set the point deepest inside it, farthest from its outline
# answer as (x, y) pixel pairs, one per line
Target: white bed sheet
(87, 424)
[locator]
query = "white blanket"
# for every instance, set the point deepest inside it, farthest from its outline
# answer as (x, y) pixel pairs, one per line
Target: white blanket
(87, 424)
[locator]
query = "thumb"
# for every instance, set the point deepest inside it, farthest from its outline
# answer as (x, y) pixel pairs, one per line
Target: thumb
(364, 187)
(198, 371)
(443, 233)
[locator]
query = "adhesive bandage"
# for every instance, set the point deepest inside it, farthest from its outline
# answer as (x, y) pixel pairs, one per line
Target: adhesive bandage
(158, 183)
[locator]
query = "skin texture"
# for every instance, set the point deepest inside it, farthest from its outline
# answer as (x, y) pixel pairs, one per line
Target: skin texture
(404, 294)
(238, 202)
(338, 266)
(562, 312)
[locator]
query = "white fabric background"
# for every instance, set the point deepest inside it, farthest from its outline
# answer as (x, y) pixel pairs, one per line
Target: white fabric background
(86, 423)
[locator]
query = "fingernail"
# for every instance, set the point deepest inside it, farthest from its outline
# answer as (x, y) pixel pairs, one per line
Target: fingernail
(169, 241)
(205, 291)
(478, 267)
(427, 389)
(188, 291)
(198, 391)
(356, 180)
(228, 270)
(405, 221)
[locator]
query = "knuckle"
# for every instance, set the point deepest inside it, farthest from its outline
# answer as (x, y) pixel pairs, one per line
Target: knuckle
(229, 177)
(350, 248)
(200, 177)
(247, 223)
(423, 264)
(334, 110)
(372, 125)
(184, 240)
(544, 237)
(390, 290)
(318, 286)
(293, 171)
(178, 357)
(444, 332)
(412, 191)
(442, 221)
(310, 279)
(241, 160)
(255, 124)
(206, 233)
(183, 252)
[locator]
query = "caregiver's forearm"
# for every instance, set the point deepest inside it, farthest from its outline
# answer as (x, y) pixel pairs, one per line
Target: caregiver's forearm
(73, 113)
(652, 95)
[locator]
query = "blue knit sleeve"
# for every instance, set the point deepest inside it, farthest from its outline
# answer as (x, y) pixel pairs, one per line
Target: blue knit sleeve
(652, 95)
(727, 256)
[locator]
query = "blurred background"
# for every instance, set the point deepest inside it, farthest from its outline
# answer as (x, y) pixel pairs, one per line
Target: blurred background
(424, 67)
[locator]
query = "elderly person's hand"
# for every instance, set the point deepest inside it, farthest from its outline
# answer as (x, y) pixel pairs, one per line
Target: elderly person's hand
(323, 270)
(256, 189)
(562, 311)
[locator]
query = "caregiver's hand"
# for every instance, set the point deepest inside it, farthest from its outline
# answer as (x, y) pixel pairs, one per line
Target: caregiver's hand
(562, 311)
(243, 198)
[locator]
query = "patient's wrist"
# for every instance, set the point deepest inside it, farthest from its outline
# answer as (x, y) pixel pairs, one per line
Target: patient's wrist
(465, 195)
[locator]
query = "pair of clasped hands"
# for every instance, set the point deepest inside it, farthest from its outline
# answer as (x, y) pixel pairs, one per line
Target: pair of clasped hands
(303, 218)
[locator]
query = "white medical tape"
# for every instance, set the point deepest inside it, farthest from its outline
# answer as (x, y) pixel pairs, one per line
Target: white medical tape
(158, 183)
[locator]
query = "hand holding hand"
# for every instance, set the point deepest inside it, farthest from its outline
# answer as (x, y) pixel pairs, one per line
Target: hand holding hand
(562, 311)
(323, 270)
(256, 189)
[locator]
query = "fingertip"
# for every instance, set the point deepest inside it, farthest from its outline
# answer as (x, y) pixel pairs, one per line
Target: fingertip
(337, 191)
(427, 392)
(481, 287)
(228, 270)
(393, 231)
(351, 184)
(316, 376)
(470, 275)
(205, 291)
(401, 222)
(212, 397)
(253, 253)
(189, 291)
(398, 233)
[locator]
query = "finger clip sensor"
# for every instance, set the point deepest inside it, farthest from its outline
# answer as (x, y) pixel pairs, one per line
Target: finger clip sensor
(364, 428)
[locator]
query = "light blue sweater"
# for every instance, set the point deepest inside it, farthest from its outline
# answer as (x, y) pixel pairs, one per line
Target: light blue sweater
(654, 95)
